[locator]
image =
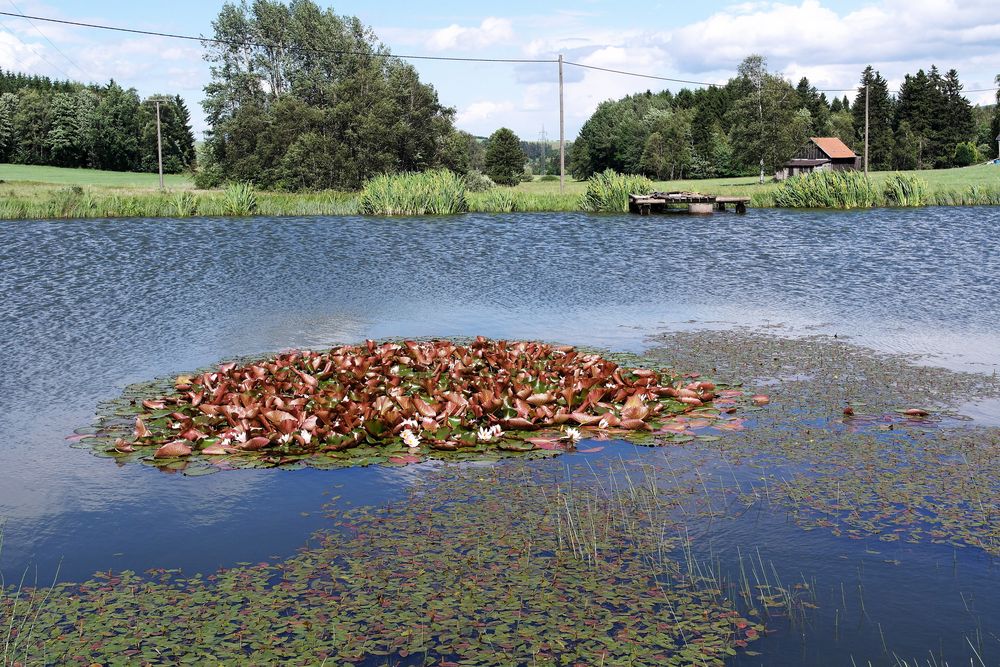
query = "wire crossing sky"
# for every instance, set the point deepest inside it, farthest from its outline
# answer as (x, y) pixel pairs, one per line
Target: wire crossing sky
(500, 69)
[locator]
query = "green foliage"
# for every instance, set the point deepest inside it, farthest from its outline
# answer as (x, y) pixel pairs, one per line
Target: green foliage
(499, 200)
(504, 159)
(548, 178)
(966, 153)
(607, 192)
(904, 190)
(828, 189)
(334, 110)
(435, 192)
(765, 128)
(477, 181)
(240, 199)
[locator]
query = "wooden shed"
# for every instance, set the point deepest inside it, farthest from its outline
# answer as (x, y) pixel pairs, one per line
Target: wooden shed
(819, 153)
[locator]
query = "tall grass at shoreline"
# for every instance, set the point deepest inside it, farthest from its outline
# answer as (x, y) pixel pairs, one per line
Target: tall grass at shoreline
(608, 191)
(436, 192)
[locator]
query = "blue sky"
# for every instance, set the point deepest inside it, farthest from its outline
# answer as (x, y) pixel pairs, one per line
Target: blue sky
(830, 42)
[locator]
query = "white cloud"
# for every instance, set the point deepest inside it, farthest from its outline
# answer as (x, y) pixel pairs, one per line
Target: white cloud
(483, 110)
(492, 30)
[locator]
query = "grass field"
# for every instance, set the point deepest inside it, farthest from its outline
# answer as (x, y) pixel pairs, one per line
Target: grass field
(111, 179)
(32, 192)
(937, 179)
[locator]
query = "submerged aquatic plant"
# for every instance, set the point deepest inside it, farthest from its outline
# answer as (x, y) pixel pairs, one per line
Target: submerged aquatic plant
(379, 399)
(490, 567)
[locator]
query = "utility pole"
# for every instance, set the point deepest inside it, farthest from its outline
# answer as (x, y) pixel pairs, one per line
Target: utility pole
(542, 137)
(562, 131)
(159, 137)
(159, 144)
(867, 85)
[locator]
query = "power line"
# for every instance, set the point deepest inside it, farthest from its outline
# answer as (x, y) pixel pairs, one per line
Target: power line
(68, 59)
(31, 47)
(211, 40)
(643, 76)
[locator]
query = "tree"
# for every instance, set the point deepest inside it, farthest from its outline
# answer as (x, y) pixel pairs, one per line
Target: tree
(654, 157)
(64, 135)
(117, 130)
(995, 123)
(764, 134)
(504, 158)
(299, 76)
(8, 137)
(31, 127)
(880, 119)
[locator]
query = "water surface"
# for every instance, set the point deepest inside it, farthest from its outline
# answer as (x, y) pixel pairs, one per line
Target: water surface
(87, 307)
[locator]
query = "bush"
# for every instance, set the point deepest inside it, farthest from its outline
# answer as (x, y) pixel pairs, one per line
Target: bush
(437, 192)
(608, 192)
(966, 153)
(477, 181)
(548, 178)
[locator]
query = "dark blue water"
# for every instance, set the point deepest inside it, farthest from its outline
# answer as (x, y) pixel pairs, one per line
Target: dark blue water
(88, 307)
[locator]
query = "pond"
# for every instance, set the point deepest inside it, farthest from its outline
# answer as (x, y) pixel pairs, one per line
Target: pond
(89, 307)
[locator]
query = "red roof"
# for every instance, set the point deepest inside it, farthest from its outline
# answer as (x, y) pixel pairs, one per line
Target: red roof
(833, 147)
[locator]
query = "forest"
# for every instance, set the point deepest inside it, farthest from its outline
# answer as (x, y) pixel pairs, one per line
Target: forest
(757, 121)
(69, 124)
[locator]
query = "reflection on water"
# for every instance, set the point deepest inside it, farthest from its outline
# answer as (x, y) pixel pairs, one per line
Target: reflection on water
(89, 307)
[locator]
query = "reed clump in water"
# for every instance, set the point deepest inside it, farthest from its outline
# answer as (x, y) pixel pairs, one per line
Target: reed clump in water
(608, 191)
(436, 192)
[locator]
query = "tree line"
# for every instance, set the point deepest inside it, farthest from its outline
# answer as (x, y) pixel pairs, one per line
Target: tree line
(70, 124)
(758, 120)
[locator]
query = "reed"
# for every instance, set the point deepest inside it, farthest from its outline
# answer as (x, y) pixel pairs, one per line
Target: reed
(436, 192)
(828, 189)
(608, 191)
(904, 190)
(240, 199)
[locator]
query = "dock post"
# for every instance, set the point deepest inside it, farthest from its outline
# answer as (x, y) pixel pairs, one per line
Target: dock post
(741, 207)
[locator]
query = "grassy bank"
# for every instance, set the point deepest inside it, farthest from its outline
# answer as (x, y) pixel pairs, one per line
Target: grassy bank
(30, 192)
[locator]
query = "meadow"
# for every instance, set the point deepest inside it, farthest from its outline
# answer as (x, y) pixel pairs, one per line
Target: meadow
(40, 192)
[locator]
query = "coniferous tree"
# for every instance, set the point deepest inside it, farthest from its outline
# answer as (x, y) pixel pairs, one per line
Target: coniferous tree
(8, 137)
(504, 158)
(64, 135)
(880, 117)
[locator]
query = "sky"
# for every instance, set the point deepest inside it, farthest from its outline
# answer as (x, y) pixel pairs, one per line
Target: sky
(828, 42)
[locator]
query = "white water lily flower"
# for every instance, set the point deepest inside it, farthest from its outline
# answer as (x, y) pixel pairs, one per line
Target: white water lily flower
(484, 434)
(285, 438)
(603, 424)
(306, 435)
(241, 436)
(496, 431)
(410, 439)
(573, 434)
(409, 423)
(610, 385)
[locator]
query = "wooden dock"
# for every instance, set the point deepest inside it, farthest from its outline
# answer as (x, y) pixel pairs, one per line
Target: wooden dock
(693, 202)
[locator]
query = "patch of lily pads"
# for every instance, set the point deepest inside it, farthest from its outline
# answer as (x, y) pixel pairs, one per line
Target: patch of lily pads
(398, 403)
(869, 446)
(485, 566)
